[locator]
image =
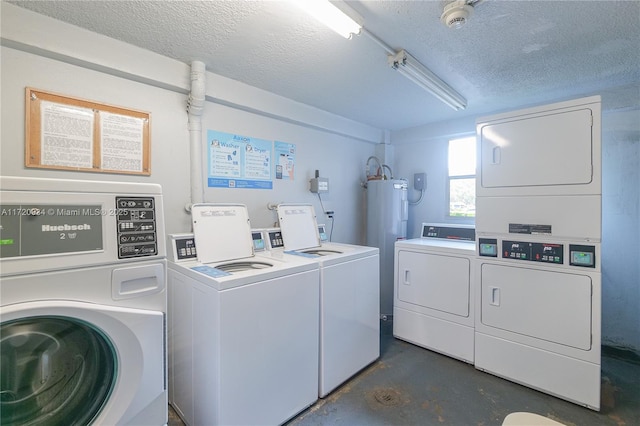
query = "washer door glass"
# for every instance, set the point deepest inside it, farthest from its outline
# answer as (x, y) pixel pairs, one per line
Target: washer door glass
(54, 371)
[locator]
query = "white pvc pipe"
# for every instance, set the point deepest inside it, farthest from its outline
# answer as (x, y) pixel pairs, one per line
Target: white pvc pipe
(195, 107)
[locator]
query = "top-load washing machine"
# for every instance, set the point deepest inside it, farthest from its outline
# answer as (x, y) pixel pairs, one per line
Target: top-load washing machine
(243, 330)
(434, 288)
(349, 296)
(83, 303)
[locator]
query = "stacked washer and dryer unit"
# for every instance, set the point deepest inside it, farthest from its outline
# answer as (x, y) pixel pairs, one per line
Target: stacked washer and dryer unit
(539, 231)
(244, 329)
(83, 303)
(349, 295)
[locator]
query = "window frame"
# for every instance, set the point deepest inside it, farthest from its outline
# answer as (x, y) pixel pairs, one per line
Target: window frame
(451, 178)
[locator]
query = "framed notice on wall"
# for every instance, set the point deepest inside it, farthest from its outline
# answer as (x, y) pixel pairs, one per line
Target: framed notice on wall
(67, 133)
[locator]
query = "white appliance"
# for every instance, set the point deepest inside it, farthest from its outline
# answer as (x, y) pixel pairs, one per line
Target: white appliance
(563, 138)
(349, 296)
(387, 215)
(538, 305)
(83, 303)
(243, 330)
(434, 290)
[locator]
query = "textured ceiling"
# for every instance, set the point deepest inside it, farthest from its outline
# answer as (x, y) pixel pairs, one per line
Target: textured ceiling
(510, 54)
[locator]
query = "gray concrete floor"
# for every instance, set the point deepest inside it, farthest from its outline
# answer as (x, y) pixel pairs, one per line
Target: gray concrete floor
(409, 385)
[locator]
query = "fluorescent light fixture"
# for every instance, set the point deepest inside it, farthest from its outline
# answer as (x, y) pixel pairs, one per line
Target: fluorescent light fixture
(332, 16)
(409, 67)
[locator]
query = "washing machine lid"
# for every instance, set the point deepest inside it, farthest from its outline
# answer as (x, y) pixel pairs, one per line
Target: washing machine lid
(299, 226)
(222, 232)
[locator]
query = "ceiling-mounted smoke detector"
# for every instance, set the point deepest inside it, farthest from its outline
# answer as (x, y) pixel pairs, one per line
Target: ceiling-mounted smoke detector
(456, 13)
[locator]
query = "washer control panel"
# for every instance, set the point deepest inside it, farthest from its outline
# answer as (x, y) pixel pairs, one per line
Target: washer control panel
(322, 231)
(275, 239)
(136, 222)
(32, 229)
(183, 247)
(259, 244)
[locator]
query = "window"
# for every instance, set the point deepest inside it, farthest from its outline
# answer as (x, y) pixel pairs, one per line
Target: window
(462, 177)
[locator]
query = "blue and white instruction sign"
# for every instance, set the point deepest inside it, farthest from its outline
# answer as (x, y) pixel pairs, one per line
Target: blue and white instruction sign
(285, 160)
(236, 161)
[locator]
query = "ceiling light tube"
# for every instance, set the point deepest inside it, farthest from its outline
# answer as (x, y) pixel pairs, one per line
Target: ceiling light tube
(454, 100)
(409, 67)
(331, 16)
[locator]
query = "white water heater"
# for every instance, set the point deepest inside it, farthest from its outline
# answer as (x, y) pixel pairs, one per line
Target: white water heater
(387, 214)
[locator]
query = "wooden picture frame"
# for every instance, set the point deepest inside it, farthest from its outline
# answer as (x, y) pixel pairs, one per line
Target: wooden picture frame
(67, 133)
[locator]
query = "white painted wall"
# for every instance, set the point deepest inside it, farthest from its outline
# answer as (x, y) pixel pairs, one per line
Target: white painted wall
(50, 55)
(169, 135)
(621, 226)
(424, 149)
(338, 158)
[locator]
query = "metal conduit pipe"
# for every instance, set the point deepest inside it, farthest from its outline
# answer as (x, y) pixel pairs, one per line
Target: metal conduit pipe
(373, 157)
(384, 166)
(195, 108)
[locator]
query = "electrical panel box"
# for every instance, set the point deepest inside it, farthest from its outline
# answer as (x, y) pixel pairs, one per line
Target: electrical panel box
(319, 185)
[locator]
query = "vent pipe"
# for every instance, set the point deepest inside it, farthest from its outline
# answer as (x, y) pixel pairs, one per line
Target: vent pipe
(195, 107)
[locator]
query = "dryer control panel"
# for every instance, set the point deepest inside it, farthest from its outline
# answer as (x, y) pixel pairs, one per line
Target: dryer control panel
(544, 252)
(448, 232)
(536, 252)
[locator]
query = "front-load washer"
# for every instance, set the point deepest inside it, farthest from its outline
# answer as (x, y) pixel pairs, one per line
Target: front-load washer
(349, 296)
(83, 303)
(243, 329)
(434, 288)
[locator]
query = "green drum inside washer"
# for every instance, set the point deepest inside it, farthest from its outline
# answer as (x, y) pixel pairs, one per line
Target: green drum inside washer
(54, 371)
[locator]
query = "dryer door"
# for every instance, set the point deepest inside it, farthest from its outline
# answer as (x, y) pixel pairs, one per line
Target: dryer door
(79, 363)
